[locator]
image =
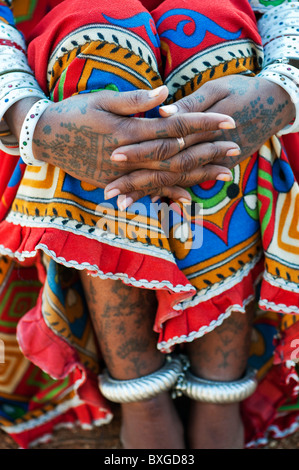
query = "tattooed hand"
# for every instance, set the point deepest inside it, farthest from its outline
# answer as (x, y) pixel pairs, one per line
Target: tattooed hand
(259, 108)
(80, 133)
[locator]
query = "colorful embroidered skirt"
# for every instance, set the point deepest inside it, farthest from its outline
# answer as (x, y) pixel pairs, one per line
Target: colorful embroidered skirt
(248, 227)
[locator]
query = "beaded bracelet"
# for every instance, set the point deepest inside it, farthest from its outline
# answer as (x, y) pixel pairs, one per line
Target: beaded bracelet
(8, 34)
(285, 69)
(27, 131)
(16, 85)
(263, 7)
(14, 66)
(13, 76)
(11, 51)
(280, 48)
(16, 77)
(279, 32)
(11, 98)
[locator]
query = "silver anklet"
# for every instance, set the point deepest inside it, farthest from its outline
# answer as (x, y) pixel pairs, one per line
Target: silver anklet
(142, 388)
(210, 391)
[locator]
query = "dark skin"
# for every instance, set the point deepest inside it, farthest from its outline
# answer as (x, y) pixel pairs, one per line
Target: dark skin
(123, 319)
(259, 108)
(154, 164)
(79, 134)
(220, 355)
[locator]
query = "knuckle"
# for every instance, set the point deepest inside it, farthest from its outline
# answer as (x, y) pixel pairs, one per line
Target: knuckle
(135, 98)
(211, 87)
(213, 150)
(181, 127)
(162, 179)
(184, 180)
(205, 123)
(188, 104)
(163, 150)
(205, 176)
(138, 154)
(124, 128)
(129, 184)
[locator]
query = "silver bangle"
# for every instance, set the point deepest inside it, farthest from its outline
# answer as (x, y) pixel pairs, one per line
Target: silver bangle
(142, 388)
(210, 391)
(10, 34)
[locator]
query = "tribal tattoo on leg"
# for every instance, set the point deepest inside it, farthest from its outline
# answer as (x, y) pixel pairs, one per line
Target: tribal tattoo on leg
(123, 318)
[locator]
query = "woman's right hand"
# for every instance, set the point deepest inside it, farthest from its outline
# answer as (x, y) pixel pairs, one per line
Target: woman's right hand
(80, 133)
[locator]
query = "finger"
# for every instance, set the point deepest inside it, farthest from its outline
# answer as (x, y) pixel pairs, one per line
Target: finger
(200, 155)
(148, 153)
(135, 130)
(166, 154)
(199, 101)
(148, 180)
(160, 149)
(175, 193)
(131, 102)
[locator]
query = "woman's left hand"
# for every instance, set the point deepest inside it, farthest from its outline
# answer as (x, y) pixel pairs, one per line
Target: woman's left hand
(259, 108)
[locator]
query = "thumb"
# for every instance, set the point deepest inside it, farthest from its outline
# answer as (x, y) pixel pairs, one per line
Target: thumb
(132, 102)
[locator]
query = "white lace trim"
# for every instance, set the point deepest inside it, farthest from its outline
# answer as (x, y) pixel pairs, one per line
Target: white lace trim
(166, 346)
(277, 434)
(153, 284)
(281, 283)
(75, 425)
(99, 235)
(278, 307)
(220, 287)
(58, 410)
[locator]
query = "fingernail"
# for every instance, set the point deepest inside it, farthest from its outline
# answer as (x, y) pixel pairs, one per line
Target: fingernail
(170, 109)
(233, 152)
(224, 177)
(155, 91)
(118, 157)
(226, 125)
(155, 198)
(123, 202)
(112, 193)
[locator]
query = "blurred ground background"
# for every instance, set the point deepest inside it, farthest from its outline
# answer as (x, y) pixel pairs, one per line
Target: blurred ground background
(106, 437)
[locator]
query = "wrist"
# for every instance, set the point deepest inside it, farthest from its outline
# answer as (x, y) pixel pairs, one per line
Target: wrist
(286, 92)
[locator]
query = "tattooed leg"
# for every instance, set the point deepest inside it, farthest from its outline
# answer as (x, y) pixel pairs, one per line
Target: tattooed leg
(123, 319)
(220, 355)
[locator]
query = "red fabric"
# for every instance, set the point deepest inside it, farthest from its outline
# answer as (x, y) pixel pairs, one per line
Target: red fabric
(291, 144)
(42, 41)
(260, 410)
(193, 319)
(87, 416)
